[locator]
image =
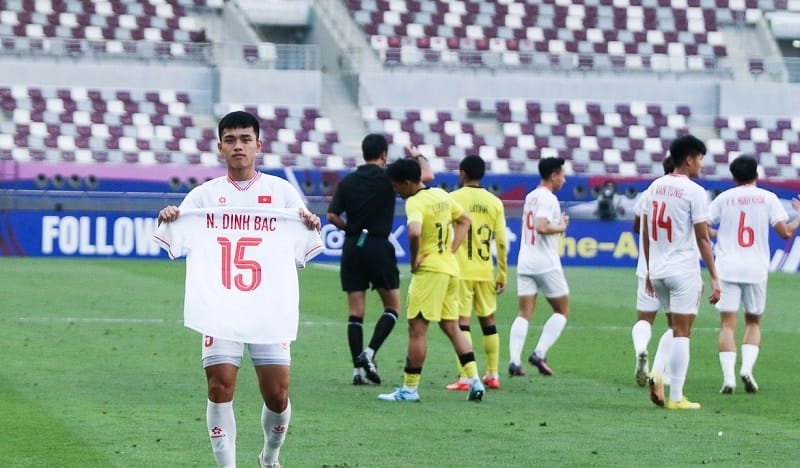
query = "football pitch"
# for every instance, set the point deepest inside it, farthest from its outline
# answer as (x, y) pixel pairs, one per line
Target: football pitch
(98, 371)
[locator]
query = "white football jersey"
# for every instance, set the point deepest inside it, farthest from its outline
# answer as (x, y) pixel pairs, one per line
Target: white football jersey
(538, 253)
(241, 279)
(264, 190)
(675, 204)
(745, 215)
(638, 210)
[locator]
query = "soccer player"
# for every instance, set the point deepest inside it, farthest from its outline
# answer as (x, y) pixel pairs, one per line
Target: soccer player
(479, 285)
(433, 292)
(675, 226)
(647, 304)
(539, 268)
(745, 214)
(363, 207)
(243, 187)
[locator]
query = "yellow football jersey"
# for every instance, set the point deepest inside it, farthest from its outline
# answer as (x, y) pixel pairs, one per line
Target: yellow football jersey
(488, 223)
(434, 209)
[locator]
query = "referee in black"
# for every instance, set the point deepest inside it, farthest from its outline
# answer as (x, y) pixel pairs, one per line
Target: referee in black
(363, 207)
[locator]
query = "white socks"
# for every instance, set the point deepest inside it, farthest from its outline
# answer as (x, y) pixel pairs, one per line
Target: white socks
(679, 366)
(275, 426)
(222, 432)
(550, 332)
(749, 356)
(516, 339)
(641, 333)
(727, 361)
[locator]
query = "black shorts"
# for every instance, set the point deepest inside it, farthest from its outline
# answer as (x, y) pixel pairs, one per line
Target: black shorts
(374, 263)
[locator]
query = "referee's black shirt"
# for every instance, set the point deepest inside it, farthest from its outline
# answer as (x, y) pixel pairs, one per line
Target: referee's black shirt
(367, 198)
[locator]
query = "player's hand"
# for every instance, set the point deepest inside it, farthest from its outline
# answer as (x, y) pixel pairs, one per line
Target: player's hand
(168, 214)
(413, 151)
(499, 287)
(796, 204)
(417, 263)
(312, 221)
(714, 297)
(648, 287)
(564, 220)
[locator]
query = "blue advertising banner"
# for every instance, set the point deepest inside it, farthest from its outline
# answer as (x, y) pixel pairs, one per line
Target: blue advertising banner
(92, 234)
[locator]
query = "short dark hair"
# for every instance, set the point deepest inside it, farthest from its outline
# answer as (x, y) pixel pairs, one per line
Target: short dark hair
(373, 146)
(684, 147)
(668, 165)
(238, 119)
(744, 169)
(404, 169)
(473, 166)
(547, 166)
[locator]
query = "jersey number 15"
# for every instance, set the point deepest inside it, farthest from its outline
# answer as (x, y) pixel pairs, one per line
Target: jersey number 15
(238, 261)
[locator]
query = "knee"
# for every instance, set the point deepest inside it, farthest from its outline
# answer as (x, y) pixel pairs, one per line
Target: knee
(277, 400)
(220, 391)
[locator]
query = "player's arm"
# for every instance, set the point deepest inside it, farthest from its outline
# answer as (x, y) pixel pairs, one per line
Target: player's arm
(706, 253)
(544, 226)
(336, 220)
(502, 252)
(636, 227)
(787, 230)
(460, 227)
(645, 236)
(414, 235)
(426, 171)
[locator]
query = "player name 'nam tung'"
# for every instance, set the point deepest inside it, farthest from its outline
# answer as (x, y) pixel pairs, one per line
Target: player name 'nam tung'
(241, 222)
(669, 191)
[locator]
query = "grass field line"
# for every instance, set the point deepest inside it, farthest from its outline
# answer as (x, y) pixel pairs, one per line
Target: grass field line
(317, 323)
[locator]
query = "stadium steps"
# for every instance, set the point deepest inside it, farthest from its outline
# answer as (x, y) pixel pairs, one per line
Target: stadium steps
(338, 106)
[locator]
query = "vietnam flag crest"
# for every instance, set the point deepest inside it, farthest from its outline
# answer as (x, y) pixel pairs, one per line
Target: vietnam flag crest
(266, 199)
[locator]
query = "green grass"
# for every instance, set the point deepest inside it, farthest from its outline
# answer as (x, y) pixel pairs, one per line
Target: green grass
(98, 371)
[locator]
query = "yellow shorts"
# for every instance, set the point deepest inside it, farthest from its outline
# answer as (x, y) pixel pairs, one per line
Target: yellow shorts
(434, 295)
(478, 296)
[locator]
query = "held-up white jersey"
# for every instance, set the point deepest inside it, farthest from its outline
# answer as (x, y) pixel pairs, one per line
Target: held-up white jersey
(241, 279)
(538, 253)
(745, 215)
(675, 204)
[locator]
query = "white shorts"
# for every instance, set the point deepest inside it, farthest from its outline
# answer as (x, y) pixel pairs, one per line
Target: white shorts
(552, 284)
(679, 294)
(644, 301)
(752, 295)
(220, 351)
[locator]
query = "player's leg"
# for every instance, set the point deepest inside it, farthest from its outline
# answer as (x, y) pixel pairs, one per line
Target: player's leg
(272, 370)
(641, 333)
(491, 346)
(485, 304)
(465, 301)
(755, 301)
(381, 264)
(354, 283)
(449, 324)
(554, 287)
(527, 290)
(221, 361)
(728, 305)
(684, 300)
(425, 296)
(356, 305)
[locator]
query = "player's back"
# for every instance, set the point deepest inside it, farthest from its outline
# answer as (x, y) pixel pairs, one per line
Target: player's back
(675, 205)
(488, 221)
(745, 214)
(435, 210)
(538, 253)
